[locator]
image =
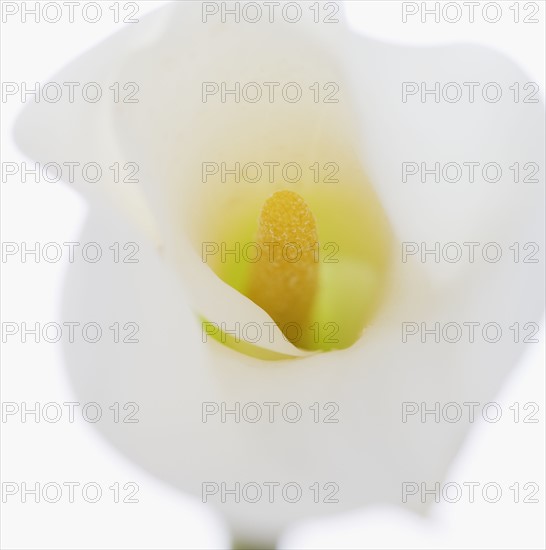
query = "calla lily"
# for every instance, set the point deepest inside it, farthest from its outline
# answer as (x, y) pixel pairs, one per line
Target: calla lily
(369, 293)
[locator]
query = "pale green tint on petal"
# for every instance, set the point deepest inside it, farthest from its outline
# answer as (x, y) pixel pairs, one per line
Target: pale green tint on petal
(240, 345)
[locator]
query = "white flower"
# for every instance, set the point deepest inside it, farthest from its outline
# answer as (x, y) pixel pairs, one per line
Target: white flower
(369, 133)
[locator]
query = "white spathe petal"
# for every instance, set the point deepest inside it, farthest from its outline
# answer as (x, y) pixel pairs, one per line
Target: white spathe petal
(369, 453)
(394, 132)
(170, 132)
(171, 372)
(178, 131)
(80, 131)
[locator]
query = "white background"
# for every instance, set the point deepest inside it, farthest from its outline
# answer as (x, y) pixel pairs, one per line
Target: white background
(164, 518)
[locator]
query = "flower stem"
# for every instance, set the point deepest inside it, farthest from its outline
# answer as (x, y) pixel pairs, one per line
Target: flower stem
(246, 544)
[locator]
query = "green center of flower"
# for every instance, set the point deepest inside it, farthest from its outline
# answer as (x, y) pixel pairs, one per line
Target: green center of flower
(316, 261)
